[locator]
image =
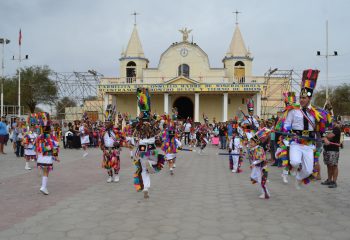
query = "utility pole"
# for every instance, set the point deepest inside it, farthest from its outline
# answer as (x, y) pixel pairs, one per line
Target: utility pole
(20, 59)
(327, 55)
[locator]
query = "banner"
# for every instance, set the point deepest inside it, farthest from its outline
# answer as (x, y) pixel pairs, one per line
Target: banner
(163, 88)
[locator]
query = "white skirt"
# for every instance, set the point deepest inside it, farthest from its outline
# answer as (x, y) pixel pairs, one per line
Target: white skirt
(84, 139)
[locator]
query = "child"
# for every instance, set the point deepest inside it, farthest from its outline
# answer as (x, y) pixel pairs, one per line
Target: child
(46, 149)
(258, 162)
(170, 146)
(29, 144)
(235, 149)
(282, 156)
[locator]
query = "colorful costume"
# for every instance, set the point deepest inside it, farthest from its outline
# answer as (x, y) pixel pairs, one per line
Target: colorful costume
(110, 143)
(47, 149)
(170, 146)
(304, 124)
(258, 162)
(250, 124)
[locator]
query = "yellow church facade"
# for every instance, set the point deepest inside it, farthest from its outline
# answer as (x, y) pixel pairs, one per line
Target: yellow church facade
(184, 79)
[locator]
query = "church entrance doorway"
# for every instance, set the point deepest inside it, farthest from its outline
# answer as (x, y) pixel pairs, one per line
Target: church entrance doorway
(184, 107)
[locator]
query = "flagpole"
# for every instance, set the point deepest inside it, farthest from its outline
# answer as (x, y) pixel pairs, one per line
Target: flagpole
(19, 74)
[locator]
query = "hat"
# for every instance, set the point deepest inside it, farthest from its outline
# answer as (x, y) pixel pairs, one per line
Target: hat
(250, 105)
(261, 135)
(289, 98)
(110, 113)
(308, 83)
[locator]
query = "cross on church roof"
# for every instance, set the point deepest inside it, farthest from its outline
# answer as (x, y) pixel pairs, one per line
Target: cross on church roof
(135, 14)
(236, 12)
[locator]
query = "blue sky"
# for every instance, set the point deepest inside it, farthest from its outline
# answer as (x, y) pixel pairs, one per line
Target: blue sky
(77, 35)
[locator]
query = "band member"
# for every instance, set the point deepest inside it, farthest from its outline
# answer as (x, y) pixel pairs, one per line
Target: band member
(250, 124)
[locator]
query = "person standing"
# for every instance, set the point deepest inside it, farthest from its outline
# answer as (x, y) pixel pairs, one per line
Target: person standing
(331, 155)
(187, 131)
(65, 129)
(3, 134)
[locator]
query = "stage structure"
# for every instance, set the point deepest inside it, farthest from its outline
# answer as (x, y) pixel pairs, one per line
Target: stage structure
(276, 83)
(78, 93)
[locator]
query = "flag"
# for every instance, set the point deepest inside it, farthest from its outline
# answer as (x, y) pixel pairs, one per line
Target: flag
(20, 37)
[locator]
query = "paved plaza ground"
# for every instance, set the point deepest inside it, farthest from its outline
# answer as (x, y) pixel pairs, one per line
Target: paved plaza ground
(203, 200)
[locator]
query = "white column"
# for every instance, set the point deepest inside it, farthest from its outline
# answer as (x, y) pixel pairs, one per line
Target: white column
(166, 103)
(114, 101)
(137, 109)
(224, 107)
(196, 107)
(258, 104)
(105, 103)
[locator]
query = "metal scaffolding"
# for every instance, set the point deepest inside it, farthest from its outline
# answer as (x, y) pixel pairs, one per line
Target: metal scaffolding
(277, 82)
(82, 88)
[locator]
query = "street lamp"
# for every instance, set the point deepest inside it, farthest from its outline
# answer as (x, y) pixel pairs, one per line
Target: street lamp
(327, 55)
(3, 41)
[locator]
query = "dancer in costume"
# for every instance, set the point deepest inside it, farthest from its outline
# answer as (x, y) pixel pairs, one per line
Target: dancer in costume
(258, 162)
(235, 148)
(130, 140)
(250, 124)
(282, 152)
(282, 155)
(147, 160)
(84, 135)
(305, 123)
(170, 146)
(203, 138)
(110, 145)
(46, 148)
(29, 140)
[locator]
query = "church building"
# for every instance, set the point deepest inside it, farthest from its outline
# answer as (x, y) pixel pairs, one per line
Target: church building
(184, 79)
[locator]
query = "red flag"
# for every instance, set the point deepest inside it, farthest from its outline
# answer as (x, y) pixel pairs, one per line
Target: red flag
(20, 37)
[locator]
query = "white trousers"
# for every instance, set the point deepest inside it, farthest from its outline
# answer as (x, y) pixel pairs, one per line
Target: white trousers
(145, 175)
(304, 155)
(235, 159)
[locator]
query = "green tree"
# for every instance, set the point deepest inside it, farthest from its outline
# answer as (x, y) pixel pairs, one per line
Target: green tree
(339, 97)
(36, 87)
(61, 106)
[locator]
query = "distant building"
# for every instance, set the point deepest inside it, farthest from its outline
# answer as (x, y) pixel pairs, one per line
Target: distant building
(184, 79)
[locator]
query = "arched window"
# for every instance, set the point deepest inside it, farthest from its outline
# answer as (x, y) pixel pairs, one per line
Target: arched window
(239, 73)
(131, 72)
(184, 70)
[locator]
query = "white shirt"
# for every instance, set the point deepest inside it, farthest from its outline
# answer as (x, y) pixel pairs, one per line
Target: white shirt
(295, 120)
(109, 140)
(188, 127)
(251, 121)
(237, 143)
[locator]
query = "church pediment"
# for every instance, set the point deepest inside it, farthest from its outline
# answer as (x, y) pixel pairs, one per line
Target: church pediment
(181, 80)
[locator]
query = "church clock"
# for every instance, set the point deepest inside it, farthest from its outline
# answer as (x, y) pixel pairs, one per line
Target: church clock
(184, 52)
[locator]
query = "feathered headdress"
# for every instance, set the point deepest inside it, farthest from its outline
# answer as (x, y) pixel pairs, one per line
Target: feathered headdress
(261, 135)
(144, 102)
(32, 119)
(110, 113)
(43, 119)
(289, 98)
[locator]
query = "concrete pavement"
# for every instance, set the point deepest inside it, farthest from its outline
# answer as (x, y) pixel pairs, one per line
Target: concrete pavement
(203, 200)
